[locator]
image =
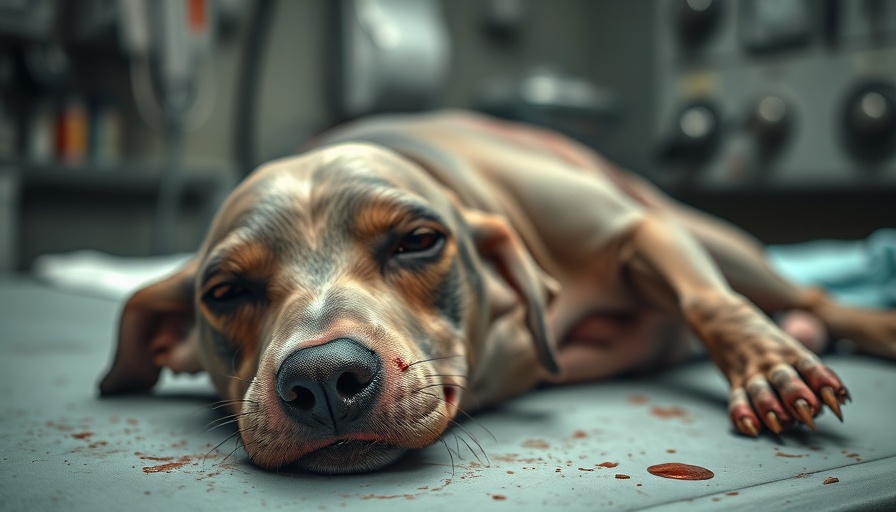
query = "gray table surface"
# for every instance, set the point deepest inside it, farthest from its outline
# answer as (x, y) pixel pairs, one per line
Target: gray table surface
(64, 449)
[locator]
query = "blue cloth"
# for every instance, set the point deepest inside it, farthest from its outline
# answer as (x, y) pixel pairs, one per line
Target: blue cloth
(860, 273)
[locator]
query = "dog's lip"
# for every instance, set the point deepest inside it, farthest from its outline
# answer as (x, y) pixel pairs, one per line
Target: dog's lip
(452, 397)
(348, 455)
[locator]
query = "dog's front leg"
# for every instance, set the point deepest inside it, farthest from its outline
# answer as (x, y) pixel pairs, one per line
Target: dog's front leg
(774, 379)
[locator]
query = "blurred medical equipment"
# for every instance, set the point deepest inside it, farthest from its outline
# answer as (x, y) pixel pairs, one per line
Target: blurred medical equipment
(776, 95)
(167, 40)
(546, 96)
(391, 55)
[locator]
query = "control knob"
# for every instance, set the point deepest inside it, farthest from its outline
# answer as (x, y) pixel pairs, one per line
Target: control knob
(770, 122)
(869, 121)
(694, 136)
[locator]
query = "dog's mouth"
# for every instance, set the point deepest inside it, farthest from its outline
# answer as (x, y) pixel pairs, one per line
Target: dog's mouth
(349, 456)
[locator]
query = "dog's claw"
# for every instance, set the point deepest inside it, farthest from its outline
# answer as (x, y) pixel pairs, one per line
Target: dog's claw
(831, 400)
(771, 419)
(804, 412)
(747, 427)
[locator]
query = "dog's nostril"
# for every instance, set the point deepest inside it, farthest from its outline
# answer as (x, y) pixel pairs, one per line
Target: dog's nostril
(301, 397)
(350, 384)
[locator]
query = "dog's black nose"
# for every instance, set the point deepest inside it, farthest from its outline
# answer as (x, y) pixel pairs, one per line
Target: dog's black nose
(330, 387)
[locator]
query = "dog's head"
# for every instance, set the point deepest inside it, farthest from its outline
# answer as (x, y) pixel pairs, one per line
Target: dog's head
(342, 301)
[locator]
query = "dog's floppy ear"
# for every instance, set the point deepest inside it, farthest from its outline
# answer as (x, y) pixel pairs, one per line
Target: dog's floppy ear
(498, 243)
(155, 331)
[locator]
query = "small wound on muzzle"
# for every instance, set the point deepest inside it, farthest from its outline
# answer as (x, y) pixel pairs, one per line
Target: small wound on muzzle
(399, 362)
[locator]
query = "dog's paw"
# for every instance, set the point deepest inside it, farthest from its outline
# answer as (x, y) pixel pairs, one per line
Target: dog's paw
(776, 381)
(784, 395)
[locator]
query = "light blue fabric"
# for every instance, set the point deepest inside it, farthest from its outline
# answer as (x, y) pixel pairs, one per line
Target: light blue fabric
(861, 273)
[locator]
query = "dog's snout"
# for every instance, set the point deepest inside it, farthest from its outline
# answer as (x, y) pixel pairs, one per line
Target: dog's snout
(330, 387)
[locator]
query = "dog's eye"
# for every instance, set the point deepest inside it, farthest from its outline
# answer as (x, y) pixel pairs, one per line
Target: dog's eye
(226, 293)
(423, 241)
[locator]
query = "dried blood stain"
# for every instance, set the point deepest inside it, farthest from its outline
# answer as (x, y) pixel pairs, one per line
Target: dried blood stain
(402, 366)
(680, 471)
(622, 476)
(668, 412)
(831, 480)
(164, 468)
(608, 464)
(789, 455)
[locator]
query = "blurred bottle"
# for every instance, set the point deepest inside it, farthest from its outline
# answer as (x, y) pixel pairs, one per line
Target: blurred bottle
(105, 133)
(72, 131)
(40, 145)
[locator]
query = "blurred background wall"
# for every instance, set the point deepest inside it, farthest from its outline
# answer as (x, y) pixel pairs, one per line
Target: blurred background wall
(736, 106)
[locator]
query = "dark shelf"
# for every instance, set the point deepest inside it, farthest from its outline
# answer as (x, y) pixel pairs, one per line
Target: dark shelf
(125, 177)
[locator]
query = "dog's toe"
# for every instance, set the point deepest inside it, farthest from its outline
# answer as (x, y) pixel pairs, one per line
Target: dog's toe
(785, 395)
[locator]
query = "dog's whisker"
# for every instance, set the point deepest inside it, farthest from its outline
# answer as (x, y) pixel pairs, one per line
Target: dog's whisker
(448, 448)
(472, 438)
(450, 385)
(226, 403)
(443, 375)
(228, 438)
(233, 361)
(443, 384)
(234, 376)
(227, 420)
(488, 463)
(475, 441)
(434, 359)
(465, 413)
(239, 445)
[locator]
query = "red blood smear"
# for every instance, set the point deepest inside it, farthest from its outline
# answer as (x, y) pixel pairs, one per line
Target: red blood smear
(399, 362)
(680, 471)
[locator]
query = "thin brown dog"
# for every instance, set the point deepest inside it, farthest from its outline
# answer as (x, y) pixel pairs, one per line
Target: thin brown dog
(351, 300)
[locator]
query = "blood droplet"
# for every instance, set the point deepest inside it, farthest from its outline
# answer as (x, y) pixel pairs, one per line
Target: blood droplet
(680, 471)
(622, 476)
(608, 464)
(399, 362)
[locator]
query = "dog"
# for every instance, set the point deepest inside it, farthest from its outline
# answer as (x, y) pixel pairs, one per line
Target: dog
(350, 301)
